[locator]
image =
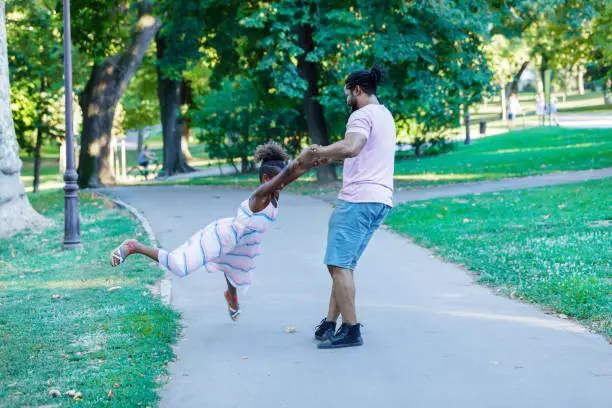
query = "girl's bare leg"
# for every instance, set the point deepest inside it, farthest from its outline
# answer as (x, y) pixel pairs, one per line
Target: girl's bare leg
(132, 246)
(231, 297)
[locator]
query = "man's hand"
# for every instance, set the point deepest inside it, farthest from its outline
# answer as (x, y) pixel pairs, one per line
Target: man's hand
(308, 157)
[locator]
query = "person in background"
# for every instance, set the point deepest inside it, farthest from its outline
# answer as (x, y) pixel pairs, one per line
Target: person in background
(514, 109)
(144, 159)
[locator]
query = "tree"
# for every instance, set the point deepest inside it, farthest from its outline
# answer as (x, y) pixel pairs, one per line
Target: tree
(16, 213)
(140, 101)
(116, 36)
(602, 38)
(36, 75)
(507, 59)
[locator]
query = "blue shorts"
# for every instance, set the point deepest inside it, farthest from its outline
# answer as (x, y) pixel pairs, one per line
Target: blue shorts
(350, 228)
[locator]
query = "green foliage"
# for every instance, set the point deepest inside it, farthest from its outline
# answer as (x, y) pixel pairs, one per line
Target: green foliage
(63, 328)
(432, 50)
(140, 102)
(237, 117)
(548, 245)
(36, 71)
(101, 28)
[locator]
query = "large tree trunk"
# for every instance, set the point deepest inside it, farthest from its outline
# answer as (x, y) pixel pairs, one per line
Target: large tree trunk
(106, 85)
(169, 94)
(514, 87)
(315, 119)
(186, 101)
(15, 210)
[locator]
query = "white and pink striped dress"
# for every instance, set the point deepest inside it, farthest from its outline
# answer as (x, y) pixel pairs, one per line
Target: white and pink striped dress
(228, 245)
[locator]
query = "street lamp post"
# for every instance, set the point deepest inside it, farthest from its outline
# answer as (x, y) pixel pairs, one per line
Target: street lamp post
(72, 228)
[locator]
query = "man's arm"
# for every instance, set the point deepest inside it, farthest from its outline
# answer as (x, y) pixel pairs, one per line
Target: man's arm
(346, 148)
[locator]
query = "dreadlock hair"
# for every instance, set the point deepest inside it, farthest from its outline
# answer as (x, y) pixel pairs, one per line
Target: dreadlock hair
(272, 157)
(367, 80)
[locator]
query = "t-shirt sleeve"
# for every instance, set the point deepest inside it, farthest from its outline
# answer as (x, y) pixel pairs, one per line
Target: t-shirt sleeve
(359, 122)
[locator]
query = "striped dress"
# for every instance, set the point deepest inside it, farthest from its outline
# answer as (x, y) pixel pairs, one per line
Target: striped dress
(228, 245)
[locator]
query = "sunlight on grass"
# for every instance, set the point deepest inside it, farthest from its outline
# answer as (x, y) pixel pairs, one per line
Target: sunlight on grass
(543, 149)
(67, 284)
(436, 177)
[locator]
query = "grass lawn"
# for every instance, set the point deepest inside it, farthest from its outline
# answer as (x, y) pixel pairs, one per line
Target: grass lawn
(551, 246)
(607, 108)
(515, 154)
(70, 322)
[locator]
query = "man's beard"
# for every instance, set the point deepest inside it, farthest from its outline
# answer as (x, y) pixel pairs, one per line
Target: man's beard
(354, 107)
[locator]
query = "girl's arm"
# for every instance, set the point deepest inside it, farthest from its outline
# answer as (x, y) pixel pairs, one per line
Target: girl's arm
(268, 191)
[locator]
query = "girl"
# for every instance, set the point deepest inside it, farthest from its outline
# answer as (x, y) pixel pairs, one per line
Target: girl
(230, 245)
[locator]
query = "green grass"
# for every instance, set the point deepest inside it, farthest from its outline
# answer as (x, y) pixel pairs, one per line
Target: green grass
(515, 154)
(605, 108)
(61, 328)
(551, 246)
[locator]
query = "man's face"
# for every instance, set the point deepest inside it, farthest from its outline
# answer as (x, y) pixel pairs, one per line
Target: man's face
(351, 99)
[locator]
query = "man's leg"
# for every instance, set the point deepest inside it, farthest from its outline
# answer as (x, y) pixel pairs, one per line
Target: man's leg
(334, 311)
(343, 292)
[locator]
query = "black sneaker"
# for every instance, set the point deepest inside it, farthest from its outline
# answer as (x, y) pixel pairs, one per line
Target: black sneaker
(347, 336)
(325, 330)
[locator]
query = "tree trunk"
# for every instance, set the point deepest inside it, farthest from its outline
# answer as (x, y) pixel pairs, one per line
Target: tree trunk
(140, 140)
(186, 101)
(502, 96)
(16, 213)
(514, 87)
(580, 79)
(169, 94)
(39, 140)
(107, 83)
(315, 119)
(608, 91)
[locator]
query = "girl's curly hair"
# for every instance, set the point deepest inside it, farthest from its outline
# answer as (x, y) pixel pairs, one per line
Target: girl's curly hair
(272, 157)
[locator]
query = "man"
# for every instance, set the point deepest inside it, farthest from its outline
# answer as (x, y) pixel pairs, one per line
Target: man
(368, 151)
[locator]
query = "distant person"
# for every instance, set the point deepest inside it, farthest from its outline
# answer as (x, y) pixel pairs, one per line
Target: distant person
(553, 110)
(540, 109)
(514, 109)
(144, 159)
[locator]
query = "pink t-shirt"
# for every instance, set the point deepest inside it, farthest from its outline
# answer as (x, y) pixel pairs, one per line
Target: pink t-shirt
(368, 177)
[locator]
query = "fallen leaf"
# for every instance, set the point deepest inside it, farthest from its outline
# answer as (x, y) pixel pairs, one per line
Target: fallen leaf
(56, 297)
(115, 385)
(439, 216)
(561, 206)
(18, 393)
(77, 396)
(513, 294)
(110, 394)
(54, 393)
(547, 216)
(466, 220)
(13, 252)
(563, 316)
(71, 393)
(290, 329)
(114, 288)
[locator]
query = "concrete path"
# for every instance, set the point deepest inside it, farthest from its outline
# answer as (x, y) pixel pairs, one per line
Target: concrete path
(585, 120)
(458, 189)
(433, 338)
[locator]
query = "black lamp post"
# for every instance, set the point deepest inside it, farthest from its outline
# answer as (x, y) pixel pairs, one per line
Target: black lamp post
(72, 228)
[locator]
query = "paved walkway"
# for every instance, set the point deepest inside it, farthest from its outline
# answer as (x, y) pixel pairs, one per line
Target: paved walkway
(458, 189)
(433, 338)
